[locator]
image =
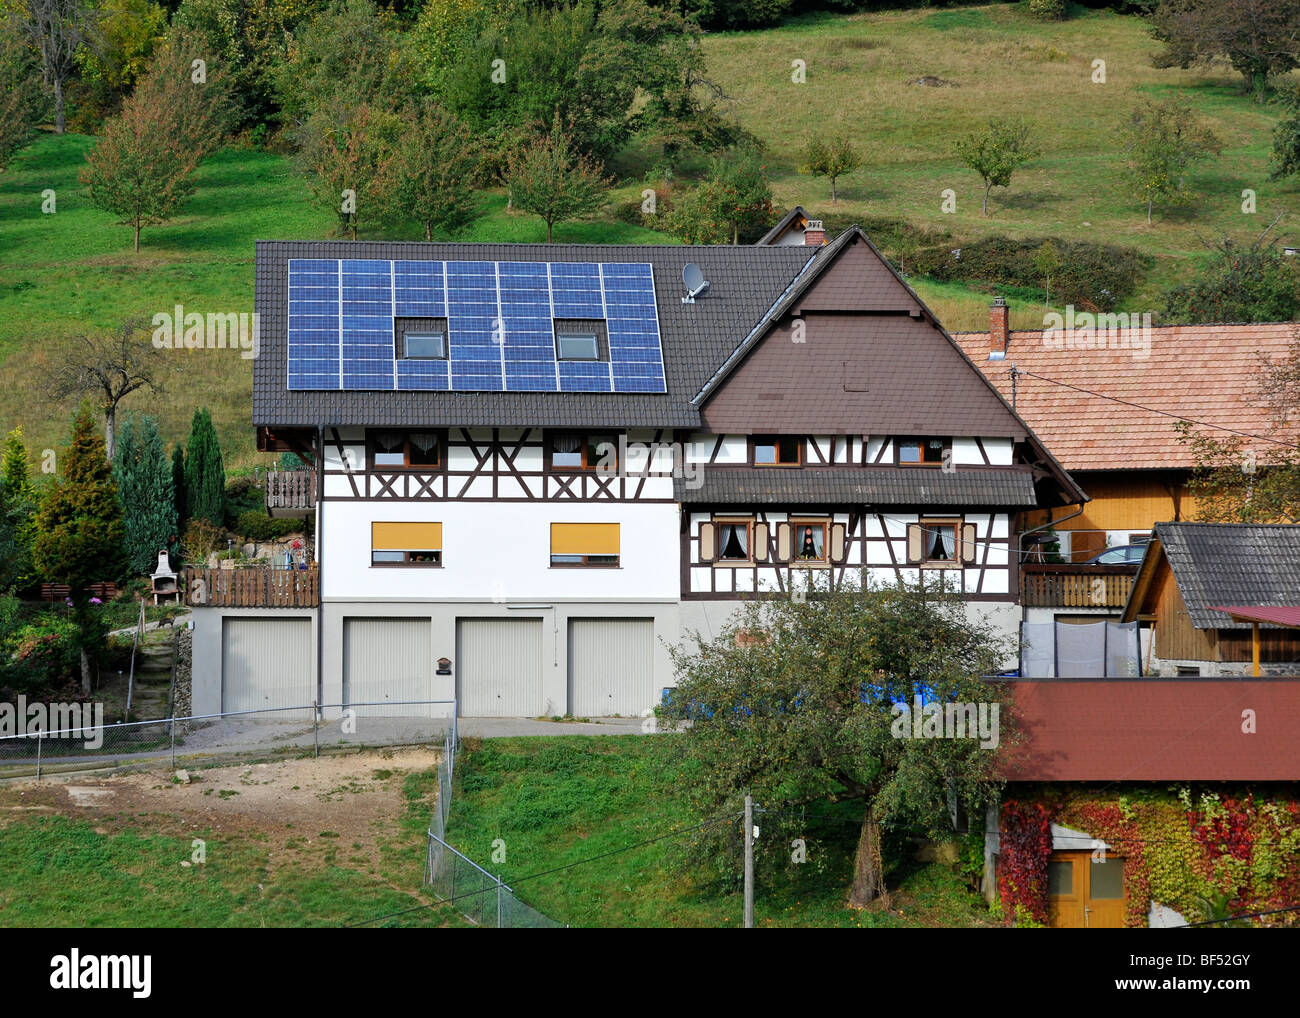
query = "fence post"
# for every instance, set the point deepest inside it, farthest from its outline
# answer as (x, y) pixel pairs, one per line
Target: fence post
(172, 726)
(499, 885)
(39, 733)
(315, 727)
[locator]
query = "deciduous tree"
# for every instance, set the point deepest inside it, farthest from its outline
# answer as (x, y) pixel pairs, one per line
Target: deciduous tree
(831, 158)
(996, 153)
(552, 179)
(1260, 38)
(734, 198)
(22, 100)
(1162, 141)
(58, 28)
(107, 366)
(431, 173)
(800, 702)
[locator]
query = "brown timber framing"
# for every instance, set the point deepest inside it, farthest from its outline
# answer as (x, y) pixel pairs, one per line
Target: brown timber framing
(723, 579)
(496, 459)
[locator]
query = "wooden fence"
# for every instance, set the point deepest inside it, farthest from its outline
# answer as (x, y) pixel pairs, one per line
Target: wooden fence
(259, 587)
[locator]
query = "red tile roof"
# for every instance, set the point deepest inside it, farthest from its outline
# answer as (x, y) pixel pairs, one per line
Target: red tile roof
(1155, 730)
(1207, 373)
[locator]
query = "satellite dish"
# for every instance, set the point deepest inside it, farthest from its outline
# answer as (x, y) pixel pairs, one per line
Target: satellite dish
(695, 282)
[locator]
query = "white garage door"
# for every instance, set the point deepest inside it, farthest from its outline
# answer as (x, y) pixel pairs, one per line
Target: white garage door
(499, 668)
(611, 666)
(386, 661)
(266, 663)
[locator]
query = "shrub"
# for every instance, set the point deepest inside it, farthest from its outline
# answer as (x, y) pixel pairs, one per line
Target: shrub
(200, 541)
(242, 496)
(46, 655)
(257, 526)
(1047, 10)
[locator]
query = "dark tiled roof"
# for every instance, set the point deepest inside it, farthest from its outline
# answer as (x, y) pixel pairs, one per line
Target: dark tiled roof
(744, 283)
(1231, 563)
(1153, 730)
(860, 485)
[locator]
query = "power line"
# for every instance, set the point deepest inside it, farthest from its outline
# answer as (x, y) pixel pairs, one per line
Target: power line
(1153, 410)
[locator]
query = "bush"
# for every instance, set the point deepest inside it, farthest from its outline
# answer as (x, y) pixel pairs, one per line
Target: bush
(200, 541)
(257, 526)
(1255, 283)
(43, 655)
(1047, 10)
(242, 496)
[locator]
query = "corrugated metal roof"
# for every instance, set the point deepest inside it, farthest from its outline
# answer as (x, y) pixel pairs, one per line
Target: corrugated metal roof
(870, 485)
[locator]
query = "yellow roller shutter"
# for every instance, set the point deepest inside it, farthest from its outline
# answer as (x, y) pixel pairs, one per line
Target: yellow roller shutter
(584, 539)
(406, 536)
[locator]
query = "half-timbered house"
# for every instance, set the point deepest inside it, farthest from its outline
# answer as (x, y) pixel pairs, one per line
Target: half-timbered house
(536, 466)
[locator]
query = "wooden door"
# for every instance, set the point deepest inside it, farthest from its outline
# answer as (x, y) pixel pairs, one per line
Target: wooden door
(1085, 893)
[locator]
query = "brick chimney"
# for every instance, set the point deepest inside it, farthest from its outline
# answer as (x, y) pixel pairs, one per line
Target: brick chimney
(814, 234)
(999, 332)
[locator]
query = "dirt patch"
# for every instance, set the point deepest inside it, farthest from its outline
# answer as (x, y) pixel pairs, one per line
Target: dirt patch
(931, 81)
(355, 798)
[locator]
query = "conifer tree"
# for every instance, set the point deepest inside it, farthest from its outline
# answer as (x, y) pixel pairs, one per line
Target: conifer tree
(144, 483)
(205, 476)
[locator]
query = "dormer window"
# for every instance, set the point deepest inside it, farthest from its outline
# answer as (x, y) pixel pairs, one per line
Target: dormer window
(913, 451)
(777, 451)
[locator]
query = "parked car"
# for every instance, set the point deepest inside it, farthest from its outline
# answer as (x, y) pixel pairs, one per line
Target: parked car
(1120, 555)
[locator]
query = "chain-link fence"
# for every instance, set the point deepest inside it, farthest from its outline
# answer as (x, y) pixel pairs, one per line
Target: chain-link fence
(70, 738)
(455, 878)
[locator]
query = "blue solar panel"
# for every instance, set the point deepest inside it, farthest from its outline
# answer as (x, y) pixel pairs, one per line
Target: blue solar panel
(500, 325)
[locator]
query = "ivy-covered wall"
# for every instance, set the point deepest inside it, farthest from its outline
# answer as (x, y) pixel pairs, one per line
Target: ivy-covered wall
(1205, 851)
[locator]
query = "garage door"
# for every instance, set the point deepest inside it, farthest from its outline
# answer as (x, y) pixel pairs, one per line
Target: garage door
(266, 663)
(499, 668)
(386, 661)
(611, 666)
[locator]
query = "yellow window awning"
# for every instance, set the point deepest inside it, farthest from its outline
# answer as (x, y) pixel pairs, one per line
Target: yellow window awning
(584, 538)
(406, 536)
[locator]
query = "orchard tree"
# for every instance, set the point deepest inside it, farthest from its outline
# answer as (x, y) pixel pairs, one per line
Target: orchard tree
(107, 366)
(79, 533)
(735, 197)
(1260, 38)
(57, 29)
(434, 165)
(552, 179)
(144, 483)
(142, 168)
(796, 702)
(1162, 141)
(348, 158)
(205, 476)
(831, 158)
(996, 153)
(22, 100)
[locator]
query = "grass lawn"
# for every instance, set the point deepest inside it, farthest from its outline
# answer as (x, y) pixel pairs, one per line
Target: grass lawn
(129, 865)
(556, 801)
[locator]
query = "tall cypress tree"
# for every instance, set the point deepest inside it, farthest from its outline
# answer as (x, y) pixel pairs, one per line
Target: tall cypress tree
(205, 476)
(144, 486)
(178, 487)
(21, 501)
(79, 532)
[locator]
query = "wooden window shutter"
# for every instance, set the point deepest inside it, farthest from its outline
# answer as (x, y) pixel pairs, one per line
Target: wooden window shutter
(760, 542)
(708, 542)
(914, 553)
(968, 543)
(838, 531)
(784, 540)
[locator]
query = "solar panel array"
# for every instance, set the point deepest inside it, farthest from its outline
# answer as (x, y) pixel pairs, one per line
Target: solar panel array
(500, 325)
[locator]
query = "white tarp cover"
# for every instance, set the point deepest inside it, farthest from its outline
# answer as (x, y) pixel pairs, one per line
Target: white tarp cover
(1050, 650)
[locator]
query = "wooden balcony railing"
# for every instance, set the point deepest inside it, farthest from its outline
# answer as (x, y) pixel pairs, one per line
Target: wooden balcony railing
(258, 587)
(1075, 586)
(291, 489)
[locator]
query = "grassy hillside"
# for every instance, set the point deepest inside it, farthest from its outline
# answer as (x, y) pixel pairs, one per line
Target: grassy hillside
(75, 269)
(1003, 63)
